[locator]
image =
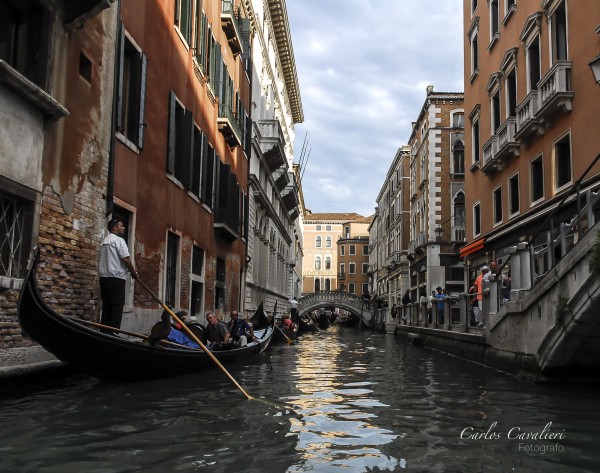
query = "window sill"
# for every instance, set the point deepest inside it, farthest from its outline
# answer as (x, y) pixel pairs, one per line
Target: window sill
(31, 93)
(474, 75)
(7, 283)
(476, 165)
(509, 14)
(123, 139)
(493, 41)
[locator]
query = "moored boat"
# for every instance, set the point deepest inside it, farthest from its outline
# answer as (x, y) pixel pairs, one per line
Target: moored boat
(104, 355)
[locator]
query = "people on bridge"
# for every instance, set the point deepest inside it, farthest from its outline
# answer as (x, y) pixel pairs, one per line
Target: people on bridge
(440, 298)
(479, 291)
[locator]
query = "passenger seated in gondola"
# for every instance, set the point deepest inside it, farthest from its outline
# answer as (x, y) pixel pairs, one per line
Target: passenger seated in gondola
(217, 334)
(287, 323)
(239, 330)
(174, 332)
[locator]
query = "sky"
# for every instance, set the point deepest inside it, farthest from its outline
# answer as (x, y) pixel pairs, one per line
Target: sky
(363, 68)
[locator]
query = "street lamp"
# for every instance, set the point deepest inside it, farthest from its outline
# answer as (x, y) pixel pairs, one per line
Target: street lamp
(439, 232)
(595, 66)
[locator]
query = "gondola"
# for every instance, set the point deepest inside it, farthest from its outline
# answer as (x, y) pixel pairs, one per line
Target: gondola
(279, 337)
(107, 356)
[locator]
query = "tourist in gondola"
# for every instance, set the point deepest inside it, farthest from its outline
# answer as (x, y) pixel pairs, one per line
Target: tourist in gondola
(239, 329)
(216, 331)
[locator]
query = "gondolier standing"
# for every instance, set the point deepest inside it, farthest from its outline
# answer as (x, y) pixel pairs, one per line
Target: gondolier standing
(114, 263)
(294, 311)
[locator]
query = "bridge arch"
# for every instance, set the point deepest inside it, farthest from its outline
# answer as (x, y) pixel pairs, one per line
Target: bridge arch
(353, 304)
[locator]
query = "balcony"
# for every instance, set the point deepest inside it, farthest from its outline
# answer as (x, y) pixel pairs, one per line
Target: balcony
(458, 234)
(228, 126)
(282, 180)
(229, 23)
(528, 123)
(270, 138)
(508, 146)
(490, 149)
(76, 12)
(556, 95)
(290, 198)
(417, 244)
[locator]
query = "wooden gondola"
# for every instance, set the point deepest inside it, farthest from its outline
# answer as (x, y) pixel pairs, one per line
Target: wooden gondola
(107, 356)
(278, 336)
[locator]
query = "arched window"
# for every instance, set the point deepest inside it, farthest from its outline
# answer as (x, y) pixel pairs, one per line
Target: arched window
(458, 157)
(318, 242)
(317, 285)
(317, 262)
(328, 242)
(327, 262)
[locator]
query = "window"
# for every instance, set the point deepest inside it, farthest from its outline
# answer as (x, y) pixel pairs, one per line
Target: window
(15, 232)
(509, 8)
(494, 20)
(318, 241)
(533, 64)
(347, 232)
(365, 288)
(475, 137)
(317, 285)
(179, 141)
(327, 242)
(183, 18)
(342, 250)
(511, 93)
(365, 250)
(537, 179)
(328, 284)
(342, 269)
(172, 270)
(352, 250)
(476, 219)
(458, 157)
(351, 288)
(497, 205)
(24, 38)
(220, 279)
(351, 268)
(317, 262)
(327, 228)
(473, 35)
(458, 120)
(199, 153)
(365, 268)
(558, 31)
(562, 161)
(473, 6)
(327, 262)
(132, 90)
(197, 288)
(513, 194)
(318, 228)
(495, 104)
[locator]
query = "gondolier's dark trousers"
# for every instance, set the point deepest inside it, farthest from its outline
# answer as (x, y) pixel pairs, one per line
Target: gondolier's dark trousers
(113, 300)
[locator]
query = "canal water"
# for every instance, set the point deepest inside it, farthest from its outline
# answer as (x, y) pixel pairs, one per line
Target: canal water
(340, 400)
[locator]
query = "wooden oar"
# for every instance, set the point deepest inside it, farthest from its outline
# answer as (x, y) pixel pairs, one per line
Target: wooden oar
(131, 334)
(193, 337)
(285, 336)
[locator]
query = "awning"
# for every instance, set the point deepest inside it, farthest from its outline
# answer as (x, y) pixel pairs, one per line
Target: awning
(472, 247)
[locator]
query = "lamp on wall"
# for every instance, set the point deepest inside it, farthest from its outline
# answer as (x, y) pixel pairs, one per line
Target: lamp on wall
(595, 67)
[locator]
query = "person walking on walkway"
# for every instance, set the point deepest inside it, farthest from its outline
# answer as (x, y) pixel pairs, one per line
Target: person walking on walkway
(114, 264)
(479, 291)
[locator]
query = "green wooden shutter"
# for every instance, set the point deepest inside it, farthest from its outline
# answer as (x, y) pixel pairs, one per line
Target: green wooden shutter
(172, 129)
(142, 125)
(121, 53)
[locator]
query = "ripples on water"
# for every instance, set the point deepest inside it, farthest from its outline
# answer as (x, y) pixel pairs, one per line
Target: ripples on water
(337, 401)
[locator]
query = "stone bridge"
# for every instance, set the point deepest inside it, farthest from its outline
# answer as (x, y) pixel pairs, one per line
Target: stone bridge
(358, 306)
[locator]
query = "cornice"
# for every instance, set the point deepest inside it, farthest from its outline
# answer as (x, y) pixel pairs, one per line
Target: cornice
(283, 40)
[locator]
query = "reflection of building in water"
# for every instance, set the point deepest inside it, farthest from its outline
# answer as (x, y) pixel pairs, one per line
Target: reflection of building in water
(336, 425)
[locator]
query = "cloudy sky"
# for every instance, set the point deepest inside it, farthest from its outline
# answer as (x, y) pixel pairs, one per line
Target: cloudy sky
(363, 67)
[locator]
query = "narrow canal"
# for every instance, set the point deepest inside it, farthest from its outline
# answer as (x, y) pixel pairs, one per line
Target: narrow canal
(357, 401)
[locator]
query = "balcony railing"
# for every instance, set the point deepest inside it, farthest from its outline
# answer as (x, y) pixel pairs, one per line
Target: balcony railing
(555, 91)
(490, 148)
(231, 27)
(508, 146)
(458, 233)
(527, 121)
(272, 144)
(229, 126)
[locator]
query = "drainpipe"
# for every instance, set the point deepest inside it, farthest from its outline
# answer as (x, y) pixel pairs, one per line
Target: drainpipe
(110, 185)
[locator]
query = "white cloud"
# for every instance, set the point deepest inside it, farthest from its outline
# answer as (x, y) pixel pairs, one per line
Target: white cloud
(363, 67)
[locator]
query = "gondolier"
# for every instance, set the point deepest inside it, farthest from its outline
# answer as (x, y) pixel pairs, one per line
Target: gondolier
(114, 264)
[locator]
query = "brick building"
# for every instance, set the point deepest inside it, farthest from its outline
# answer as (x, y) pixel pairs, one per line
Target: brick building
(56, 102)
(353, 257)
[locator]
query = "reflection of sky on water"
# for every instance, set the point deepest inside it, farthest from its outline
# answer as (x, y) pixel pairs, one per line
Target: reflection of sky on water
(336, 424)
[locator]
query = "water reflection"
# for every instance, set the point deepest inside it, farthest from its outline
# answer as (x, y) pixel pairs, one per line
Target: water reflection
(337, 429)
